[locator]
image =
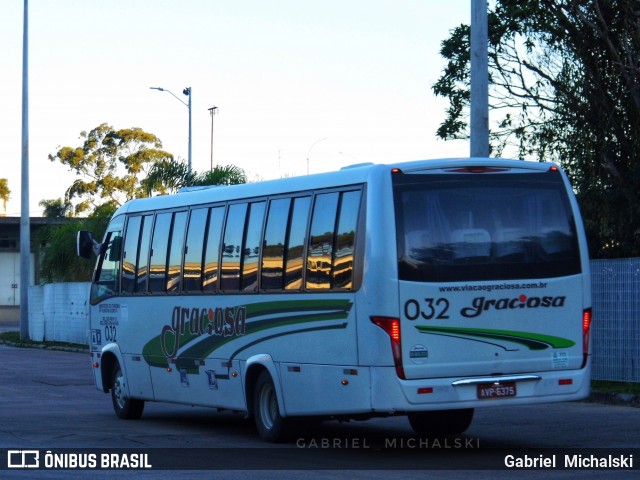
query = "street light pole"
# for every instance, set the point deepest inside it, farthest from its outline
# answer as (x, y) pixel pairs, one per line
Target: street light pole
(213, 110)
(187, 92)
(310, 148)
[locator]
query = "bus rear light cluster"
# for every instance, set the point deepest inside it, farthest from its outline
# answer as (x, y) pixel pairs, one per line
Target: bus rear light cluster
(391, 325)
(586, 334)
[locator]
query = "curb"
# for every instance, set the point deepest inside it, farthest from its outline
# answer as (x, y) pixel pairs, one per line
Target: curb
(622, 399)
(40, 346)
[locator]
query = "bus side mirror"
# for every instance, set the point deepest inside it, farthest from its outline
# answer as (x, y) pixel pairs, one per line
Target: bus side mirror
(85, 244)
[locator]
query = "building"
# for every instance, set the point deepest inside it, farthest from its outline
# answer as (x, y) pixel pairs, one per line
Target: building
(10, 257)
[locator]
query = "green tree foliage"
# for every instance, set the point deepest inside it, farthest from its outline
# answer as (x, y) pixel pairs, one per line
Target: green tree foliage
(54, 208)
(564, 87)
(4, 193)
(109, 165)
(169, 176)
(59, 261)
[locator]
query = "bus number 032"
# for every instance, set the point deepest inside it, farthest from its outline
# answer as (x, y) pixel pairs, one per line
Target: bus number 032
(430, 309)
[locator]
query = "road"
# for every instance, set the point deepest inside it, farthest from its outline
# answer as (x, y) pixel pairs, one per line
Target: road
(48, 401)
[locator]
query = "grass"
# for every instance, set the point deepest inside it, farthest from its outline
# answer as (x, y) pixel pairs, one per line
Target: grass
(14, 337)
(599, 386)
(602, 386)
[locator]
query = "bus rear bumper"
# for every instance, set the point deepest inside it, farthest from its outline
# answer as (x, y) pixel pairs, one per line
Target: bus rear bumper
(391, 394)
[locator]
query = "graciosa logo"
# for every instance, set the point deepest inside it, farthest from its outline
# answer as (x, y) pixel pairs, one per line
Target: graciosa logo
(481, 304)
(193, 322)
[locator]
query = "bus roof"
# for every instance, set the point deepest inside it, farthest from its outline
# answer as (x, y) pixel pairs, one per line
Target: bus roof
(350, 175)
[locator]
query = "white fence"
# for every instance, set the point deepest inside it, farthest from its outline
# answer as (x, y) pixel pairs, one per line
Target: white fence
(60, 312)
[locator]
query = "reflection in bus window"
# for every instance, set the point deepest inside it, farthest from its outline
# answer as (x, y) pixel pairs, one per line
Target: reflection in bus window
(175, 252)
(158, 260)
(193, 251)
(212, 252)
(321, 239)
(108, 272)
(143, 255)
(251, 251)
(345, 240)
(233, 233)
(295, 243)
(130, 255)
(274, 241)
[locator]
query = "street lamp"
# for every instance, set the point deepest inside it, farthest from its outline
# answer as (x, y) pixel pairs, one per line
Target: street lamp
(309, 152)
(187, 92)
(213, 110)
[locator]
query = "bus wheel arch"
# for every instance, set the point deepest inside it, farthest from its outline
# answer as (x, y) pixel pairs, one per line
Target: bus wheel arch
(109, 360)
(271, 425)
(124, 406)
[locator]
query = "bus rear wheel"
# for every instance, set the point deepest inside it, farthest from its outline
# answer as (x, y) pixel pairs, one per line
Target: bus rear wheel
(271, 426)
(124, 406)
(441, 422)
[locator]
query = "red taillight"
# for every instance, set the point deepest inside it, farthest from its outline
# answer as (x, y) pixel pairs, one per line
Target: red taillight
(392, 327)
(477, 169)
(586, 333)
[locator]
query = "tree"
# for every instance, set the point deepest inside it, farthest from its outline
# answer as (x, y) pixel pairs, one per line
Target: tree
(4, 193)
(55, 208)
(109, 165)
(564, 87)
(59, 261)
(169, 176)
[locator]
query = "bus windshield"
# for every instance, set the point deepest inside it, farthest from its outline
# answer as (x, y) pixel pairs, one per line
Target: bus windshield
(491, 226)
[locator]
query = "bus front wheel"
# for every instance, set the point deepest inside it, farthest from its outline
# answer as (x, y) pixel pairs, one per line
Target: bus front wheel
(124, 406)
(271, 426)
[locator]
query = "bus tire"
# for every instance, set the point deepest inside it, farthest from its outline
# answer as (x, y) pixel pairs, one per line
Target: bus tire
(441, 422)
(272, 427)
(124, 406)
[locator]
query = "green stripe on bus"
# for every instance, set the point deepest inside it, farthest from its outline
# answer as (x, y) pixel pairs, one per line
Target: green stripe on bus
(534, 341)
(318, 310)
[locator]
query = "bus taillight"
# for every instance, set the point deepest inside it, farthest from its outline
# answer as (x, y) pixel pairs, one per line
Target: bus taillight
(392, 327)
(586, 333)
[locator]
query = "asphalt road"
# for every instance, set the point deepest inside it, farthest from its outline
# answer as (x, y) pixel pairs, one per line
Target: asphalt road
(48, 402)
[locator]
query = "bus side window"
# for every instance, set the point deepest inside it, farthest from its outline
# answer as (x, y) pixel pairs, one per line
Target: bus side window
(296, 239)
(231, 254)
(130, 255)
(274, 242)
(212, 253)
(193, 251)
(345, 240)
(158, 258)
(142, 269)
(174, 267)
(321, 241)
(251, 251)
(108, 270)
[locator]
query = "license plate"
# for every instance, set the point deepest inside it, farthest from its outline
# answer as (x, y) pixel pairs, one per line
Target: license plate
(496, 390)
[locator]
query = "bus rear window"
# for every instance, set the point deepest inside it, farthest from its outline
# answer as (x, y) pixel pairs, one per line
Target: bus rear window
(465, 227)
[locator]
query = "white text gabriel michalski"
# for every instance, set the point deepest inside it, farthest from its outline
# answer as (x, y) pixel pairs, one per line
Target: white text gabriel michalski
(570, 461)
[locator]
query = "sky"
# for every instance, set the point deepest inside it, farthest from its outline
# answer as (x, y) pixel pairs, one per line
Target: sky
(336, 82)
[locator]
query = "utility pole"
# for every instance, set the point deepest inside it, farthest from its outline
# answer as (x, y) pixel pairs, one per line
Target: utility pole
(25, 224)
(479, 125)
(187, 92)
(212, 111)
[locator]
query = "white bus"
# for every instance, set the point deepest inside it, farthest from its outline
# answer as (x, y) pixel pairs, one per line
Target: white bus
(425, 289)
